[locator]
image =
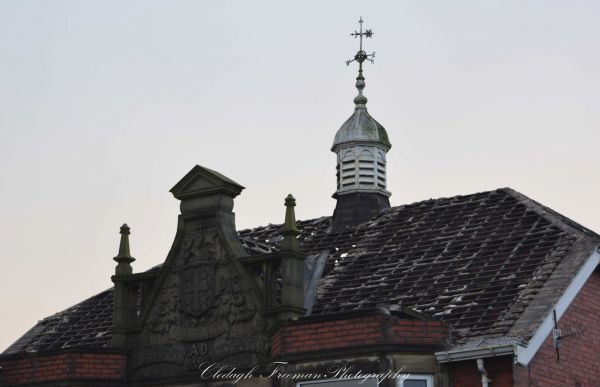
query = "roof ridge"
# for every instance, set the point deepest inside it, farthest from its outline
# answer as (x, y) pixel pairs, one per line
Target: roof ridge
(400, 206)
(460, 196)
(557, 219)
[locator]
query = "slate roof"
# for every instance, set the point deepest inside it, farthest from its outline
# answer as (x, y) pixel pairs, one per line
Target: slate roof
(474, 261)
(87, 324)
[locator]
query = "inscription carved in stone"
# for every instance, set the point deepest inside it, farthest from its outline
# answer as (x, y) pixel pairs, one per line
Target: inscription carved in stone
(203, 311)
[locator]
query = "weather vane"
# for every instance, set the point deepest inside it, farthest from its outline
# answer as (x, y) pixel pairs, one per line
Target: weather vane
(360, 57)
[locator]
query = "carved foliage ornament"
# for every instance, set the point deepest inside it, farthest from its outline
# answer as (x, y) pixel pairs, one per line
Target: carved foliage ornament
(202, 304)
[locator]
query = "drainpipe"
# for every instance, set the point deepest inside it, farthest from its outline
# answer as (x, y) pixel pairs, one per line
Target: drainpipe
(485, 380)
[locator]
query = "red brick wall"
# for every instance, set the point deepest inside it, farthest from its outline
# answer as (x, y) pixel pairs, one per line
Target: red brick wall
(499, 369)
(61, 366)
(579, 354)
(356, 331)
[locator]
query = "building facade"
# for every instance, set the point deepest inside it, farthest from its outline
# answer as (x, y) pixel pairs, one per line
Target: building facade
(488, 289)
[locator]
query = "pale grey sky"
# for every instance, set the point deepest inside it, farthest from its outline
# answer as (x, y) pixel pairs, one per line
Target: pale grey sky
(105, 105)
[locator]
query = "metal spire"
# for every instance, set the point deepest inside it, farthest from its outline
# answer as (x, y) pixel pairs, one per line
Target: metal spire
(360, 57)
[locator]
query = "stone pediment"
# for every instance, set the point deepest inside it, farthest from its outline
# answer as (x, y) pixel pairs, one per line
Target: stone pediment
(202, 181)
(204, 305)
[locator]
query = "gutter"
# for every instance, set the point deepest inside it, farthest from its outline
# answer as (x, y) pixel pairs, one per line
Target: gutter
(476, 353)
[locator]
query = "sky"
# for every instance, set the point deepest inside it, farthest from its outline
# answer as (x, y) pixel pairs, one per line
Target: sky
(105, 105)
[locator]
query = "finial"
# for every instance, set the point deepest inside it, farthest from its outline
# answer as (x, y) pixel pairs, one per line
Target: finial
(124, 257)
(360, 100)
(290, 229)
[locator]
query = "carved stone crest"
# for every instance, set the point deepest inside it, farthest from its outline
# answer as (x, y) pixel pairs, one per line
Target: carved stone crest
(197, 282)
(204, 305)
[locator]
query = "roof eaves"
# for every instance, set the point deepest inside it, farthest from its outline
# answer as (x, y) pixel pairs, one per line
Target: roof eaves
(526, 353)
(512, 345)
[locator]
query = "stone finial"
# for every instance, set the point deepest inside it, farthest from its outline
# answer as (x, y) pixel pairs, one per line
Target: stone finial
(124, 257)
(290, 230)
(292, 266)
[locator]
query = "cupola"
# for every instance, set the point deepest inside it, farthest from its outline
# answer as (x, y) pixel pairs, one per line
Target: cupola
(361, 145)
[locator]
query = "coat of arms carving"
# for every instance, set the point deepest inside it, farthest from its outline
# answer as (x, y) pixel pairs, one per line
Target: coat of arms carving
(197, 275)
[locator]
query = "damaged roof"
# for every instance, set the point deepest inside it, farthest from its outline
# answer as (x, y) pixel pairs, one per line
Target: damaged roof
(475, 261)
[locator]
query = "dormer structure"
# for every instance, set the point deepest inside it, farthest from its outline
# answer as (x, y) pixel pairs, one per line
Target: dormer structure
(361, 145)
